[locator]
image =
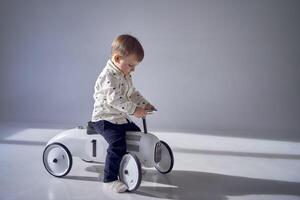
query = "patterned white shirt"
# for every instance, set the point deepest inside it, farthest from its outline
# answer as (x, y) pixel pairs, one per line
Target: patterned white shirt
(115, 96)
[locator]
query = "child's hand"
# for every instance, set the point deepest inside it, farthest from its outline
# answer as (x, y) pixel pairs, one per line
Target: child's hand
(140, 112)
(149, 107)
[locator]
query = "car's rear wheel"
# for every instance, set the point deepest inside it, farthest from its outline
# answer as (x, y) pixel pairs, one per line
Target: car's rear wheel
(57, 160)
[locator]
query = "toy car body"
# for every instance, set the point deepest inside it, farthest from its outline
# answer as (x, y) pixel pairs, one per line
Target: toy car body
(84, 142)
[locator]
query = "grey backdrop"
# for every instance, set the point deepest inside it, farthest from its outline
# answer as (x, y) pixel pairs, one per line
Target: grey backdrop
(210, 65)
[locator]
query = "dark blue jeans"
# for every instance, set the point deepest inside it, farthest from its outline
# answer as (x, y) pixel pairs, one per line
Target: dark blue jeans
(115, 135)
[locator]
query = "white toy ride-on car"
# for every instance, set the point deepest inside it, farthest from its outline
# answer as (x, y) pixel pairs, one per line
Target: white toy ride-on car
(84, 142)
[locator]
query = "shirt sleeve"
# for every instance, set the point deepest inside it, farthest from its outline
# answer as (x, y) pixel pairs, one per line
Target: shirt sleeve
(138, 99)
(114, 95)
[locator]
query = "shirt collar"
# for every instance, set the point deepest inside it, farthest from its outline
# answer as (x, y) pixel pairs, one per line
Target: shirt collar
(113, 67)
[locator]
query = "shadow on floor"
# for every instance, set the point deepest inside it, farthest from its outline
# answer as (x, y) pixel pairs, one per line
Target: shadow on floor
(93, 168)
(191, 185)
(83, 178)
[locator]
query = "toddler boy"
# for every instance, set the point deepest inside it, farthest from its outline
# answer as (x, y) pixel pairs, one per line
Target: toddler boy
(115, 99)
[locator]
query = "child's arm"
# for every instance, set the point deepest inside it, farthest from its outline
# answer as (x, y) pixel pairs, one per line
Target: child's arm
(138, 99)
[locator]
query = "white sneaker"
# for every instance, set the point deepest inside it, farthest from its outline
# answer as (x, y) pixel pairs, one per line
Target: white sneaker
(116, 186)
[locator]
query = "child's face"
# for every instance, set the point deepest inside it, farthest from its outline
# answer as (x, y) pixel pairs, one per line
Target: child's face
(126, 64)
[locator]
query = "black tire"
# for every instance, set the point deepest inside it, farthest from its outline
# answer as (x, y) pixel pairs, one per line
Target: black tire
(55, 160)
(168, 152)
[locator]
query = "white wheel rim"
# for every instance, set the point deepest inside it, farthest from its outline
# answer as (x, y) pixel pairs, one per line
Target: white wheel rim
(166, 159)
(130, 172)
(56, 160)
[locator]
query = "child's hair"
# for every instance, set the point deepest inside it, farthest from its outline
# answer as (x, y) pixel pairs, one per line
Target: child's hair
(125, 45)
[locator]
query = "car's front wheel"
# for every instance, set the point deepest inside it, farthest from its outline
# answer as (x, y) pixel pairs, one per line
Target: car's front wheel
(164, 159)
(130, 171)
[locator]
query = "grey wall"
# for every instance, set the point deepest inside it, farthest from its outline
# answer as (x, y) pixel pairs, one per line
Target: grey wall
(209, 65)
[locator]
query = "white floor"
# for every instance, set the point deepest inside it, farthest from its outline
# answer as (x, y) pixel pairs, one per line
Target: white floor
(207, 167)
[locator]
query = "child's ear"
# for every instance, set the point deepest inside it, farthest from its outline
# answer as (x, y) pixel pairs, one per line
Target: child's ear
(116, 58)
